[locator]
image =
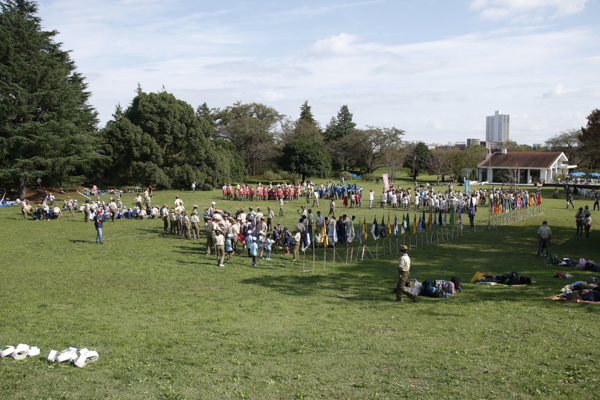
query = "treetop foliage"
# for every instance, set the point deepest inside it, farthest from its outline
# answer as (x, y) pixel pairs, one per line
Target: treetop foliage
(47, 127)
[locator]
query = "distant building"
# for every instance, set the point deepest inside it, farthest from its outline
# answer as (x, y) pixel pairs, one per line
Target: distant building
(526, 167)
(496, 129)
(460, 145)
(473, 142)
(537, 146)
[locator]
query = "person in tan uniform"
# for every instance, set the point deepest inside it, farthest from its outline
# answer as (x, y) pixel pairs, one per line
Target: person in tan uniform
(195, 220)
(297, 238)
(210, 232)
(25, 209)
(186, 225)
(69, 203)
(86, 211)
(220, 247)
(112, 206)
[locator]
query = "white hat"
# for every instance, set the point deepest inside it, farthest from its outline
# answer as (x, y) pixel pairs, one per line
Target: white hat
(261, 233)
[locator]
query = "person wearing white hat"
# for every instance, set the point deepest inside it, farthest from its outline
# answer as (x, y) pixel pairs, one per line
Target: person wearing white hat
(253, 249)
(261, 243)
(229, 245)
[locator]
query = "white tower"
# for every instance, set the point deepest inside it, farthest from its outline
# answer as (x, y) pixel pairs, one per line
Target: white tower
(496, 129)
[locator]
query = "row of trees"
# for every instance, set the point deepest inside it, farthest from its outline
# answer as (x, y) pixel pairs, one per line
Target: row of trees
(581, 146)
(49, 130)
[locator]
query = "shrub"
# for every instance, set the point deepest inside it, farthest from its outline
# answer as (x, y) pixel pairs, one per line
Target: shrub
(346, 175)
(270, 176)
(368, 177)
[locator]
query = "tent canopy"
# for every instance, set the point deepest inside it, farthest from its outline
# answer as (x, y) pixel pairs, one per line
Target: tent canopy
(594, 175)
(577, 174)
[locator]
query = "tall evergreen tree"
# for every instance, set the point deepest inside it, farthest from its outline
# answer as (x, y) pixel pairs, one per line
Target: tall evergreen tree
(342, 126)
(306, 114)
(47, 127)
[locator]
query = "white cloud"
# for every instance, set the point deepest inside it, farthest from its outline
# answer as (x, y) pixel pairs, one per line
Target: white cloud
(527, 10)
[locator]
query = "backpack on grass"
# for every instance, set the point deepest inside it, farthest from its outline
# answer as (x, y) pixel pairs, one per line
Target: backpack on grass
(511, 279)
(428, 288)
(456, 282)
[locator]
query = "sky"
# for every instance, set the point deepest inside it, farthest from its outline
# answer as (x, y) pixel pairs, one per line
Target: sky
(434, 68)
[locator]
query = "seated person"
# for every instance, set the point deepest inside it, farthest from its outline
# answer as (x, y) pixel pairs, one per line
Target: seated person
(57, 213)
(134, 213)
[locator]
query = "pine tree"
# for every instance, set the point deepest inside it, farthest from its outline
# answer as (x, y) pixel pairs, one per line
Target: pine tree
(47, 127)
(306, 114)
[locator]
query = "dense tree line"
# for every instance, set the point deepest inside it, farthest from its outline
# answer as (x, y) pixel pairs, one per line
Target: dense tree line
(49, 130)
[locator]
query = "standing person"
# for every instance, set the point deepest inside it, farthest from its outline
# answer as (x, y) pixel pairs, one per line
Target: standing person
(220, 247)
(316, 198)
(69, 204)
(269, 243)
(210, 231)
(86, 211)
(194, 187)
(579, 217)
(570, 201)
(39, 183)
(281, 206)
(98, 224)
(112, 206)
(331, 207)
(403, 275)
(270, 216)
(371, 198)
(544, 235)
(164, 213)
(383, 199)
(229, 246)
(297, 239)
(596, 200)
(587, 224)
(185, 222)
(195, 220)
(253, 249)
(587, 221)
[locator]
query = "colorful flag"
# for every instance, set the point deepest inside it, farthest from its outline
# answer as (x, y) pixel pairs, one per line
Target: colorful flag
(452, 216)
(306, 241)
(415, 225)
(375, 229)
(406, 224)
(389, 228)
(382, 231)
(440, 219)
(420, 226)
(364, 230)
(350, 233)
(445, 219)
(396, 225)
(324, 238)
(360, 240)
(435, 221)
(430, 222)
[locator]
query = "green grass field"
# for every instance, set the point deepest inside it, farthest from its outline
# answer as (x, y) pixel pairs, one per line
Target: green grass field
(168, 323)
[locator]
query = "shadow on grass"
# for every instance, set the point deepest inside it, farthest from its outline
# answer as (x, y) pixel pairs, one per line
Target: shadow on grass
(510, 248)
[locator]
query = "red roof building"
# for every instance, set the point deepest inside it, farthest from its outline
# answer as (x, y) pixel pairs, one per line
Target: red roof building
(524, 167)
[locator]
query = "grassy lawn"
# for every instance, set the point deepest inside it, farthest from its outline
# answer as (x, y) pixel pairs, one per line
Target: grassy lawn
(168, 323)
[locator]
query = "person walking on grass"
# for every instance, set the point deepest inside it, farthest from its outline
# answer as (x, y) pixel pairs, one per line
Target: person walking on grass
(98, 224)
(544, 235)
(403, 276)
(570, 201)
